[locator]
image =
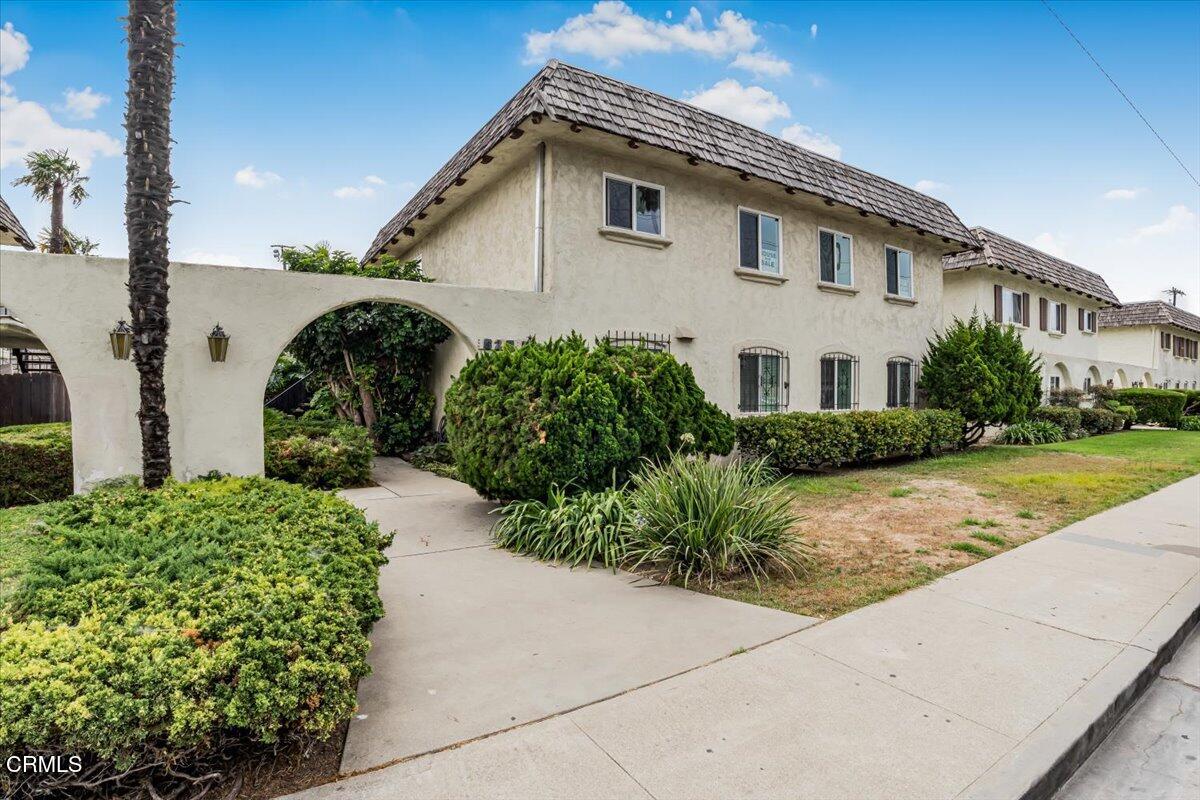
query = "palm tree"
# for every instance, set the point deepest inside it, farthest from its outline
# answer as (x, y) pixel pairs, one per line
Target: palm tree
(151, 32)
(72, 245)
(53, 175)
(1175, 293)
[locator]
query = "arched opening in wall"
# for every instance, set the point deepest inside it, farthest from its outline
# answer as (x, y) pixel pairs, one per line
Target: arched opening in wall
(33, 392)
(1092, 378)
(1119, 379)
(1147, 380)
(1059, 377)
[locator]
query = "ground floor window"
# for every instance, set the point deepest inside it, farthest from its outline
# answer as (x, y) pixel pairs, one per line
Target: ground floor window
(1055, 383)
(839, 382)
(1087, 384)
(763, 380)
(901, 376)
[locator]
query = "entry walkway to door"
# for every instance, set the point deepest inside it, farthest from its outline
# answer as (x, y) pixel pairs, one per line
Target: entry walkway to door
(476, 640)
(980, 685)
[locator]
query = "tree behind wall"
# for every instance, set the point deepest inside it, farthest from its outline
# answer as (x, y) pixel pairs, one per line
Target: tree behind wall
(982, 370)
(372, 360)
(151, 32)
(53, 175)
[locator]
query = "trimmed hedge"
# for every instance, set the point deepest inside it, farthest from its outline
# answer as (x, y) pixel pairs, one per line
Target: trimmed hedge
(1100, 420)
(1067, 418)
(35, 463)
(525, 419)
(162, 631)
(319, 454)
(801, 440)
(1160, 406)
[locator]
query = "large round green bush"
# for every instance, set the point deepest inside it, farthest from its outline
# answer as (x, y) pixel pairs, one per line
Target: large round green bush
(525, 419)
(157, 631)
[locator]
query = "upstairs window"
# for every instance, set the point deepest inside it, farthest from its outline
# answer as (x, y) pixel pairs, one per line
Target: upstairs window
(899, 272)
(758, 241)
(1087, 320)
(836, 258)
(839, 382)
(1164, 340)
(1012, 307)
(763, 380)
(1054, 316)
(901, 375)
(633, 205)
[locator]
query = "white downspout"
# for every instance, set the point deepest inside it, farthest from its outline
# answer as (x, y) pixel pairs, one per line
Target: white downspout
(539, 217)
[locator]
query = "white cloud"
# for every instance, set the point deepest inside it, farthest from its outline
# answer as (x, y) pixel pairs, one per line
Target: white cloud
(930, 187)
(1179, 218)
(809, 139)
(612, 30)
(812, 31)
(1049, 243)
(28, 126)
(249, 176)
(84, 104)
(205, 257)
(353, 192)
(375, 179)
(1123, 194)
(752, 105)
(762, 63)
(14, 49)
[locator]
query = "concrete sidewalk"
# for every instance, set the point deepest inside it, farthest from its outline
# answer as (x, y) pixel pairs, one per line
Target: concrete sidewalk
(990, 683)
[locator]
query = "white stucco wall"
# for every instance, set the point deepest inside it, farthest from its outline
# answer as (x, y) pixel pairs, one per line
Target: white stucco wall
(72, 302)
(1174, 372)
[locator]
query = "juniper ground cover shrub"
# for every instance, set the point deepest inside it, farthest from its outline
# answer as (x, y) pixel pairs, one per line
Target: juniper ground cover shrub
(35, 463)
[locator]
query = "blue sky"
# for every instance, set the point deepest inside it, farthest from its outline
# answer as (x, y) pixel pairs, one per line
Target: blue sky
(299, 122)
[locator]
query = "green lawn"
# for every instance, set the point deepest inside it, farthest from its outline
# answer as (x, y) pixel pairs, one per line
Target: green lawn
(886, 529)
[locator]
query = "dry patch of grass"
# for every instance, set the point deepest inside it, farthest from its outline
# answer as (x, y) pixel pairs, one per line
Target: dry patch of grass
(884, 530)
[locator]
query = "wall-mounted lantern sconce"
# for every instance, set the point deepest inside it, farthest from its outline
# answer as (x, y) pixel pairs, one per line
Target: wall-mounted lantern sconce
(218, 344)
(121, 339)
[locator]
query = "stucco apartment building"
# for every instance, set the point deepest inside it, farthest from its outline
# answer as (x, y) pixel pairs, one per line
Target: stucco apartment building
(787, 280)
(1163, 338)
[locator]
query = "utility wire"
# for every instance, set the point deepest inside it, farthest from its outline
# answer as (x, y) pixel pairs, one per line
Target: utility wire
(1120, 91)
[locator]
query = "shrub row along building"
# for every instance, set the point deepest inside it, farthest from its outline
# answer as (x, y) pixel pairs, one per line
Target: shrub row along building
(787, 280)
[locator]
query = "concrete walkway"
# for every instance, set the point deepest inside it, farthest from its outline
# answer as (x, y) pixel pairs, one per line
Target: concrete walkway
(989, 683)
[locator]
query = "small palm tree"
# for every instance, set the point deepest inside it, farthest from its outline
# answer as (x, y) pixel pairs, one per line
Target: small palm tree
(1175, 293)
(72, 245)
(53, 175)
(151, 34)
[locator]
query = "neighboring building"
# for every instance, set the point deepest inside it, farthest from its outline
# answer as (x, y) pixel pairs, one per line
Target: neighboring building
(1163, 338)
(787, 280)
(11, 231)
(1055, 305)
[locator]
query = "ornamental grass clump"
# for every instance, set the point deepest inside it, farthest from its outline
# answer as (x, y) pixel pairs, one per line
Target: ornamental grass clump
(699, 520)
(575, 529)
(1031, 432)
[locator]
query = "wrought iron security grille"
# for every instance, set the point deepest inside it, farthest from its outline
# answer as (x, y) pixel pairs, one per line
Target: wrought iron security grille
(901, 382)
(764, 380)
(658, 342)
(839, 382)
(499, 344)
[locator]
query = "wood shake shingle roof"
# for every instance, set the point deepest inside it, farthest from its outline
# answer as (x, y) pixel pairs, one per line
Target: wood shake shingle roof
(1005, 253)
(10, 227)
(583, 98)
(1149, 312)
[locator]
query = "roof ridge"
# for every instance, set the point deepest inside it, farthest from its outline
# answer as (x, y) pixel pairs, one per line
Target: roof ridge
(1019, 243)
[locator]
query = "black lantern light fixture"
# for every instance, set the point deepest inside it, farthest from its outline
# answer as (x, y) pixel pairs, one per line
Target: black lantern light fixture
(121, 339)
(218, 344)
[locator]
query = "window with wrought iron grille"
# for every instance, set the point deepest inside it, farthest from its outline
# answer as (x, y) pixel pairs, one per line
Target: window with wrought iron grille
(901, 382)
(763, 379)
(839, 382)
(499, 344)
(658, 342)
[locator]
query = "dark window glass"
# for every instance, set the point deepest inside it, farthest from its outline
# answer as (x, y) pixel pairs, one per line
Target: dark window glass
(899, 384)
(828, 370)
(893, 277)
(649, 210)
(748, 238)
(619, 204)
(827, 265)
(748, 400)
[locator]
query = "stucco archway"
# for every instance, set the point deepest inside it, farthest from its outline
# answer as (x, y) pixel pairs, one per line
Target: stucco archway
(1119, 379)
(1093, 377)
(215, 408)
(1147, 380)
(1063, 374)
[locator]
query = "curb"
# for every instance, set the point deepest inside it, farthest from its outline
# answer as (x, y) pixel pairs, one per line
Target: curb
(1040, 765)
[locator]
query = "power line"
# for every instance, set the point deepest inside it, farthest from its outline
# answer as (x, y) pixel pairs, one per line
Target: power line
(1120, 91)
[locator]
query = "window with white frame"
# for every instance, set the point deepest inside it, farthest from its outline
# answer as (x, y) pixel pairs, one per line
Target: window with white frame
(1055, 383)
(837, 258)
(1013, 307)
(899, 271)
(763, 384)
(839, 381)
(633, 205)
(1087, 384)
(901, 380)
(1056, 317)
(759, 241)
(1087, 320)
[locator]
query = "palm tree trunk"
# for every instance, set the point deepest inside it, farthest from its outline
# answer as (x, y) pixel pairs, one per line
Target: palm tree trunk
(57, 238)
(148, 185)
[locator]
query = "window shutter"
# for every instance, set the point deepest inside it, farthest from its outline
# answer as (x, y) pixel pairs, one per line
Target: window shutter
(1026, 311)
(999, 303)
(893, 272)
(1043, 310)
(748, 236)
(1081, 325)
(827, 256)
(1095, 317)
(1062, 318)
(620, 204)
